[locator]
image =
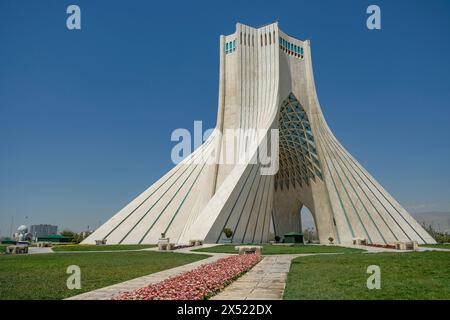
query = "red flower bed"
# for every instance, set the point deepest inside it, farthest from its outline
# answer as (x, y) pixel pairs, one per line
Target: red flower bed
(197, 284)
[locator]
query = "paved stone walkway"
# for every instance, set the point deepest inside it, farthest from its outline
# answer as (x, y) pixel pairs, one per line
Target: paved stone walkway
(110, 292)
(433, 249)
(370, 249)
(265, 281)
(39, 250)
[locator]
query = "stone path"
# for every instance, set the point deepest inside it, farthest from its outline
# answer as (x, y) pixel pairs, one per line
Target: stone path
(110, 292)
(433, 249)
(39, 250)
(370, 249)
(266, 281)
(101, 251)
(188, 249)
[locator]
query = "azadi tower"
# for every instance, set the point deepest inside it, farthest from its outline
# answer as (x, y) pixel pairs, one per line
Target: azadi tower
(266, 83)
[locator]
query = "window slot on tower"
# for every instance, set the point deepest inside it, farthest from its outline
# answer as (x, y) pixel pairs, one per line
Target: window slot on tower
(230, 46)
(290, 48)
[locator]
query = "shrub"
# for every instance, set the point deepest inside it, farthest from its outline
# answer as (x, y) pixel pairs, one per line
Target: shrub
(331, 239)
(228, 232)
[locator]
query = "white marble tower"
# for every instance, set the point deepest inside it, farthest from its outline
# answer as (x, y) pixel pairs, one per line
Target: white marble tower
(266, 82)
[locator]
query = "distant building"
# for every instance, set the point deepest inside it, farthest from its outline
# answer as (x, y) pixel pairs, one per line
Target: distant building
(39, 230)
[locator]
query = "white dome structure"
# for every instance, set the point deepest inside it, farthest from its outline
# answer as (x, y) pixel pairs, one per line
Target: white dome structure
(22, 229)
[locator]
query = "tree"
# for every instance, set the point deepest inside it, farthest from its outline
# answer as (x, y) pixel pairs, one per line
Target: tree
(67, 233)
(310, 235)
(76, 237)
(440, 237)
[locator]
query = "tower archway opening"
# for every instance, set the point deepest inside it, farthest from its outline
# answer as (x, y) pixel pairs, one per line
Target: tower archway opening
(308, 226)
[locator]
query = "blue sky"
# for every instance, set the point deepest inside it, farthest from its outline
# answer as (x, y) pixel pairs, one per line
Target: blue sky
(86, 116)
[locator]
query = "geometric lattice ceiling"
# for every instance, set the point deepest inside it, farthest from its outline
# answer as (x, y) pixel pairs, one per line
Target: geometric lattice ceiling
(298, 160)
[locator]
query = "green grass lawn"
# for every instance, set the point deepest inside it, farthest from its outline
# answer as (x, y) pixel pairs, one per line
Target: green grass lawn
(438, 245)
(416, 275)
(277, 249)
(43, 276)
(90, 247)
